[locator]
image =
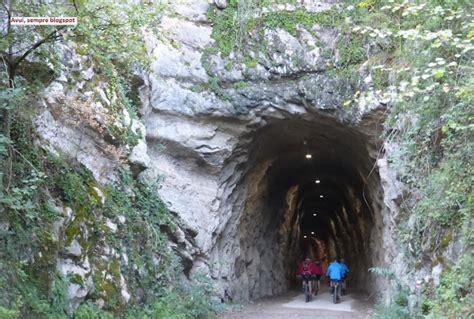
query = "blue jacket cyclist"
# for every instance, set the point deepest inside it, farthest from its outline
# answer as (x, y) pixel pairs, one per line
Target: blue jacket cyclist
(335, 272)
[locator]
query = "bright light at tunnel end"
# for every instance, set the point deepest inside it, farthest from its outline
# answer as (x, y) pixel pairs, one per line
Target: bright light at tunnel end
(309, 156)
(321, 196)
(318, 181)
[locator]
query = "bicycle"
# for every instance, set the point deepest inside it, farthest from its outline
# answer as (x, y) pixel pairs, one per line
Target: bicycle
(316, 285)
(307, 287)
(336, 293)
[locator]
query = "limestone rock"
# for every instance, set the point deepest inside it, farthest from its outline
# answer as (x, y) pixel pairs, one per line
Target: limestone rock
(100, 194)
(227, 155)
(76, 291)
(188, 33)
(139, 155)
(221, 4)
(74, 249)
(192, 10)
(111, 225)
(75, 143)
(183, 64)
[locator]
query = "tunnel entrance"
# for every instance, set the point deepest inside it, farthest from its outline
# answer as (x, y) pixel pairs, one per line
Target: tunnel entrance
(308, 188)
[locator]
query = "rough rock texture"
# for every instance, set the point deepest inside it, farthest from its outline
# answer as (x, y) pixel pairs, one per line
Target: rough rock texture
(233, 161)
(76, 122)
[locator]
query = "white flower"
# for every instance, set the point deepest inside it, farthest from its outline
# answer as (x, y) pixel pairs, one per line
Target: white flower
(414, 80)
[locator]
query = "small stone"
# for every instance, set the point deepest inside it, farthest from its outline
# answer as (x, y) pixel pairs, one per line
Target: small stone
(125, 295)
(180, 235)
(100, 303)
(221, 4)
(103, 97)
(100, 194)
(74, 248)
(111, 225)
(139, 156)
(88, 74)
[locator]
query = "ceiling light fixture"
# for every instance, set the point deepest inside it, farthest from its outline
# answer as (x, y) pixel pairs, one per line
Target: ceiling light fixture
(309, 156)
(321, 196)
(305, 236)
(312, 233)
(318, 181)
(314, 214)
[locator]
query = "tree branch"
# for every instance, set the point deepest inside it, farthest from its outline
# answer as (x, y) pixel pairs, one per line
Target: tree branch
(52, 36)
(75, 6)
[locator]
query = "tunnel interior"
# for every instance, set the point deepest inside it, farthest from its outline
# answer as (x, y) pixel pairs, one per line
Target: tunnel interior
(310, 189)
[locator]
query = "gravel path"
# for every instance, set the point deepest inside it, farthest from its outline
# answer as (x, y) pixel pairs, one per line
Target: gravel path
(292, 306)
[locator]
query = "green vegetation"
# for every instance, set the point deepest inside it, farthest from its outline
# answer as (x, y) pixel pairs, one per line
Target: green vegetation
(240, 85)
(289, 20)
(426, 60)
(225, 28)
(234, 24)
(351, 50)
(29, 282)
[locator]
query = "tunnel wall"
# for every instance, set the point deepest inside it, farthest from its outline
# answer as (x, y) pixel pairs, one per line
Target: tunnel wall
(254, 246)
(248, 197)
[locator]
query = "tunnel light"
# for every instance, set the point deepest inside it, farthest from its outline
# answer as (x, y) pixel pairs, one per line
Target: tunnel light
(309, 156)
(321, 196)
(314, 215)
(318, 181)
(312, 233)
(305, 236)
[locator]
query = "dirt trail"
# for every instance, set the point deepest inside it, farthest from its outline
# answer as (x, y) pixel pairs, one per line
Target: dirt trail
(292, 306)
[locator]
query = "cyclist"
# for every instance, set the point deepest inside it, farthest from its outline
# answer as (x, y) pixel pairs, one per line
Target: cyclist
(305, 270)
(317, 273)
(345, 271)
(334, 273)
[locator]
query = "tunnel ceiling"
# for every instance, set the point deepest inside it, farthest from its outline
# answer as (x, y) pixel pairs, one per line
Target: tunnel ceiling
(339, 162)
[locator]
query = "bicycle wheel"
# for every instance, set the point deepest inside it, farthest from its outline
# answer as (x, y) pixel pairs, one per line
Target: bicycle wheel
(334, 295)
(307, 294)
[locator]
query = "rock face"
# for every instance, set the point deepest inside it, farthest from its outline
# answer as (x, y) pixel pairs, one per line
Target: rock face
(233, 157)
(234, 164)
